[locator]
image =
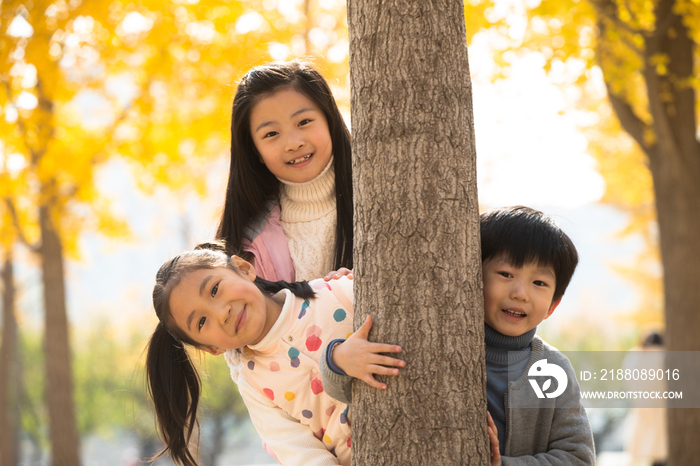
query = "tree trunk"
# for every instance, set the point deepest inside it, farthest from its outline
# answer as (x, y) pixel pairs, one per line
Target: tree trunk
(9, 370)
(65, 449)
(675, 167)
(417, 250)
(215, 441)
(674, 161)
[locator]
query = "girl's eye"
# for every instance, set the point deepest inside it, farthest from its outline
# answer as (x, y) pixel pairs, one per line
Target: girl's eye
(200, 324)
(539, 283)
(270, 134)
(304, 122)
(505, 274)
(214, 289)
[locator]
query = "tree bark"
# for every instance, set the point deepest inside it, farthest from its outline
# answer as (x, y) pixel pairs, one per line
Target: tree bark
(674, 161)
(675, 167)
(9, 370)
(63, 433)
(417, 249)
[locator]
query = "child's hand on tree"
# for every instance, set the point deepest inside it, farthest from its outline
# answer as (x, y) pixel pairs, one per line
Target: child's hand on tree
(359, 358)
(493, 441)
(336, 274)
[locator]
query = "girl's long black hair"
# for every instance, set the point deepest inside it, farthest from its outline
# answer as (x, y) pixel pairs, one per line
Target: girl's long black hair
(172, 379)
(251, 186)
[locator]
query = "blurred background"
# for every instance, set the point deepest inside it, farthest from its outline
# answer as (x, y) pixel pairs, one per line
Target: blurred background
(114, 146)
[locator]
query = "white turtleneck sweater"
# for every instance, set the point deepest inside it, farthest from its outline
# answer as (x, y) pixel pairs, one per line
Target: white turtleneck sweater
(308, 220)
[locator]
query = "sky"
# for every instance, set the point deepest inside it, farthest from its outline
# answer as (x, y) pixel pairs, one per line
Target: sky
(529, 152)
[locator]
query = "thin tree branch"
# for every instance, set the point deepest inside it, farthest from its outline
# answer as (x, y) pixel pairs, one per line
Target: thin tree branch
(624, 38)
(630, 122)
(600, 6)
(20, 231)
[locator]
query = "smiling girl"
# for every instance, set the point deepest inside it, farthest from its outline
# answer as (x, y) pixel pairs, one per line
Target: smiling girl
(271, 333)
(288, 206)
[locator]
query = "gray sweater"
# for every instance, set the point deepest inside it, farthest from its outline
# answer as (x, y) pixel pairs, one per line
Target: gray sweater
(555, 433)
(506, 357)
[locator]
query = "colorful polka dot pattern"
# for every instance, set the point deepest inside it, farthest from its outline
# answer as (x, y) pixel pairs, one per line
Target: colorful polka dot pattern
(316, 386)
(311, 326)
(339, 315)
(304, 307)
(313, 340)
(294, 357)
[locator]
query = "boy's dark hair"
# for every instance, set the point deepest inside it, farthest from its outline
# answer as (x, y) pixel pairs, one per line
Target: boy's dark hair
(172, 379)
(251, 186)
(523, 235)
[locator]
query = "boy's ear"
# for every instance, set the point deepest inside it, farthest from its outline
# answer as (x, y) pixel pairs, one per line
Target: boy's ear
(553, 307)
(244, 266)
(213, 350)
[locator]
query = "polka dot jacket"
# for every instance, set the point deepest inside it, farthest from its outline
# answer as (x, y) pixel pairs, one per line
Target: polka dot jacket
(280, 382)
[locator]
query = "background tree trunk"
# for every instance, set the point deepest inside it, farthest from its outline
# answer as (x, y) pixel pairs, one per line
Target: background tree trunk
(65, 443)
(9, 370)
(417, 250)
(675, 167)
(674, 161)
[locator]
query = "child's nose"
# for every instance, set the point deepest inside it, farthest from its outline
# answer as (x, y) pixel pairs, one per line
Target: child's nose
(519, 291)
(224, 313)
(294, 142)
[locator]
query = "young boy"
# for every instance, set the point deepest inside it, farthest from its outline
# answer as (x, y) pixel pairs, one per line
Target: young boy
(527, 263)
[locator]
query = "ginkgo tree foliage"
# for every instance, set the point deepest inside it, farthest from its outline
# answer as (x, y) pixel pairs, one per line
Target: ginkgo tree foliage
(148, 81)
(644, 135)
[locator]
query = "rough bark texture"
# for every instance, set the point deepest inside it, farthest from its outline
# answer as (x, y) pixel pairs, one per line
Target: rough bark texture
(9, 371)
(417, 250)
(674, 160)
(675, 167)
(63, 432)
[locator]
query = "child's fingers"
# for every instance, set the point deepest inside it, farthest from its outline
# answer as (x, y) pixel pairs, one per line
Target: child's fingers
(382, 370)
(336, 274)
(387, 361)
(493, 439)
(363, 331)
(372, 382)
(491, 424)
(382, 348)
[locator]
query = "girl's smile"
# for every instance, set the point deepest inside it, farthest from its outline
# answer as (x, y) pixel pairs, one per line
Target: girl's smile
(241, 320)
(223, 309)
(291, 135)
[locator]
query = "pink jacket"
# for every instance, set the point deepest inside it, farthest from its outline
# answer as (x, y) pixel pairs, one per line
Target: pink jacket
(272, 259)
